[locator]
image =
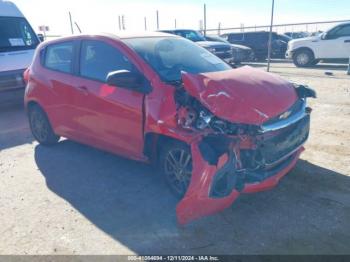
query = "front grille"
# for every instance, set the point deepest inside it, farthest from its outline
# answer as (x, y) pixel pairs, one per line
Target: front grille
(275, 145)
(294, 109)
(11, 80)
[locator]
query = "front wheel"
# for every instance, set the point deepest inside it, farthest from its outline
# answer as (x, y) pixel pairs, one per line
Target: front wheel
(41, 127)
(303, 58)
(175, 163)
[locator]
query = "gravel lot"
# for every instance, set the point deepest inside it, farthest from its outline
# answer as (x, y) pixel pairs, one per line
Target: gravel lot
(73, 199)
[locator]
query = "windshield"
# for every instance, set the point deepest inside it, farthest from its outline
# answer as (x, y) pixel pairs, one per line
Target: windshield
(168, 56)
(16, 34)
(190, 35)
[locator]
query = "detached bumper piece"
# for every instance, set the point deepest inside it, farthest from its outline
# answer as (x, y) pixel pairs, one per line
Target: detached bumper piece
(200, 199)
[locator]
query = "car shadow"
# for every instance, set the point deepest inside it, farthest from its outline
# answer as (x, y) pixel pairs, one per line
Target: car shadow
(307, 213)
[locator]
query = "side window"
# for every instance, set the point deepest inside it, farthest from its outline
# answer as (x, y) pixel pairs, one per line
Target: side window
(59, 57)
(339, 31)
(236, 37)
(344, 31)
(97, 59)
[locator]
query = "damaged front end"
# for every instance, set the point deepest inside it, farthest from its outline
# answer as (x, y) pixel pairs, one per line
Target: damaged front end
(232, 157)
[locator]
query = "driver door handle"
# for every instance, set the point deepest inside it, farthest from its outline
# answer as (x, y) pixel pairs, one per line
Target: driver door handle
(347, 41)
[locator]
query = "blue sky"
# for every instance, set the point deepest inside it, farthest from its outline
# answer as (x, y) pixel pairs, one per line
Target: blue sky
(102, 15)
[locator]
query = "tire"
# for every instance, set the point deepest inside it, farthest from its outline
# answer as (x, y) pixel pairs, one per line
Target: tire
(175, 164)
(41, 127)
(303, 58)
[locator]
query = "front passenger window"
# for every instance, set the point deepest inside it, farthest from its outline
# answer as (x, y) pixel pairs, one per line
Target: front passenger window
(98, 59)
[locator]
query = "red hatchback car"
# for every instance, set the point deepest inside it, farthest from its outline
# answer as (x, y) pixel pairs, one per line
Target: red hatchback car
(213, 131)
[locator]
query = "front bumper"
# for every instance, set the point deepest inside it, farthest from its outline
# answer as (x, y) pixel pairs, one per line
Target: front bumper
(272, 177)
(200, 201)
(11, 80)
(289, 54)
(223, 168)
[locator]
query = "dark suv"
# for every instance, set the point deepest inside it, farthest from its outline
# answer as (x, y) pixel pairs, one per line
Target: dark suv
(220, 49)
(258, 41)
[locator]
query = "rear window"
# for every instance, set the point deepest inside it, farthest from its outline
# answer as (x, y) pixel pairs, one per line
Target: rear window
(16, 34)
(59, 57)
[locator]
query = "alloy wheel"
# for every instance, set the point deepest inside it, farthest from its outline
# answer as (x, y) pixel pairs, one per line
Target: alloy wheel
(178, 169)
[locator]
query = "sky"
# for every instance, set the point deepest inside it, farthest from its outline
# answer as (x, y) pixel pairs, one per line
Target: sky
(102, 15)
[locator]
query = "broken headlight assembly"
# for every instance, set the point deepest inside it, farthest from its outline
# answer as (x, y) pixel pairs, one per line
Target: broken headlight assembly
(194, 116)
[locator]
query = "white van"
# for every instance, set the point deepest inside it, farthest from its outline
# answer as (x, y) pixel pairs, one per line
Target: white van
(17, 44)
(333, 44)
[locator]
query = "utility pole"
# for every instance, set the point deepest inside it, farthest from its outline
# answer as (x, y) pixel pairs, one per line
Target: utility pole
(205, 20)
(219, 29)
(119, 23)
(270, 38)
(175, 23)
(123, 22)
(145, 24)
(71, 23)
(157, 14)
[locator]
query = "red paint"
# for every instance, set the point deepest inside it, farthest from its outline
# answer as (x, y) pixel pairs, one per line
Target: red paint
(244, 95)
(197, 203)
(117, 120)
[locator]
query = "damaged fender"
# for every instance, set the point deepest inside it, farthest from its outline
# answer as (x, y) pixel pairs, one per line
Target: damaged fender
(198, 201)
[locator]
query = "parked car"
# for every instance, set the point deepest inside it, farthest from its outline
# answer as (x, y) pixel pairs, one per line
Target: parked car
(241, 53)
(17, 44)
(258, 41)
(218, 48)
(333, 44)
(213, 131)
(296, 35)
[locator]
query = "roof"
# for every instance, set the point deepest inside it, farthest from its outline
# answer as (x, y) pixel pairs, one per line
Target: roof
(8, 8)
(120, 36)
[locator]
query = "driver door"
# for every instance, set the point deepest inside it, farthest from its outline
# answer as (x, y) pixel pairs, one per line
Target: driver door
(111, 117)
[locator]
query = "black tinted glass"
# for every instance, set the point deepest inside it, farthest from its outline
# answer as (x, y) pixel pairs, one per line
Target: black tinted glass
(99, 58)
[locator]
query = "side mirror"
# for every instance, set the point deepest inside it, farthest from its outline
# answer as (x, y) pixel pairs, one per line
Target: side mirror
(128, 80)
(324, 36)
(41, 37)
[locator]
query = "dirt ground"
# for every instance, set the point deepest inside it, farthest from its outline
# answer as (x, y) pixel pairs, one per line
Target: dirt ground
(73, 199)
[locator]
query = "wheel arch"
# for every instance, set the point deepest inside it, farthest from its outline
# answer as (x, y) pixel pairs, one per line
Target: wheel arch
(153, 142)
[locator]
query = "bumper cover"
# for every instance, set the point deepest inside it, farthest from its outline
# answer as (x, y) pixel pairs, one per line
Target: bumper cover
(199, 200)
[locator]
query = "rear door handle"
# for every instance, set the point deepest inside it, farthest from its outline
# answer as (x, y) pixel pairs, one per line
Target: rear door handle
(347, 41)
(83, 89)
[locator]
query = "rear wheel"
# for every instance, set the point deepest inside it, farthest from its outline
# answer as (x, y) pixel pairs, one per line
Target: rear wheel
(175, 163)
(303, 58)
(41, 127)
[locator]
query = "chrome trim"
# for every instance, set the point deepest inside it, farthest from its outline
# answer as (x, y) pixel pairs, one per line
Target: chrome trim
(281, 159)
(285, 122)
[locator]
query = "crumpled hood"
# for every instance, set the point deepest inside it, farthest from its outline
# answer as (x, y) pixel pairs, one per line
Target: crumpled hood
(244, 95)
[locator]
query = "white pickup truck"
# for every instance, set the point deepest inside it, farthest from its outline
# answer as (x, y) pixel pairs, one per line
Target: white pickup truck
(332, 44)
